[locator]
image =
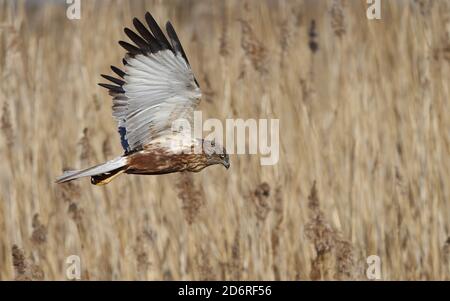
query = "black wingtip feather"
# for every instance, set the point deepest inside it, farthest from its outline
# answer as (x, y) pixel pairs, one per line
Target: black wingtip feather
(175, 40)
(118, 71)
(140, 42)
(133, 50)
(149, 38)
(113, 79)
(157, 32)
(152, 40)
(112, 88)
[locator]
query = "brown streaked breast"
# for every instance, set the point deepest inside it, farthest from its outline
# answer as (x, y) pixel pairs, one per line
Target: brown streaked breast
(161, 162)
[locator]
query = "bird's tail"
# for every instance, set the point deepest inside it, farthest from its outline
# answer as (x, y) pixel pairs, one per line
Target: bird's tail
(100, 175)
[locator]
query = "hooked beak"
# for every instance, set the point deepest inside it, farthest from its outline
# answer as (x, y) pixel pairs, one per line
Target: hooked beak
(226, 164)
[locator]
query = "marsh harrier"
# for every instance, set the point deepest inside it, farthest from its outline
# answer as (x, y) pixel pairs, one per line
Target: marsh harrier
(156, 87)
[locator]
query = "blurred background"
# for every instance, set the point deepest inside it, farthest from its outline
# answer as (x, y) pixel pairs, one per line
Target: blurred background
(364, 143)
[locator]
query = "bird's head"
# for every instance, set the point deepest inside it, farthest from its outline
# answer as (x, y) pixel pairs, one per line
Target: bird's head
(215, 153)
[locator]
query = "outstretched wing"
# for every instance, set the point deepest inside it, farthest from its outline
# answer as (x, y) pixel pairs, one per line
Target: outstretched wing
(156, 87)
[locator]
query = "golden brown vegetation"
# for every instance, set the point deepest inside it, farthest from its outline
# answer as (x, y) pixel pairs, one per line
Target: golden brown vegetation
(364, 155)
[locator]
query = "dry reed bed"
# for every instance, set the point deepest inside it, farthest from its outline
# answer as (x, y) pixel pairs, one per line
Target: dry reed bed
(364, 155)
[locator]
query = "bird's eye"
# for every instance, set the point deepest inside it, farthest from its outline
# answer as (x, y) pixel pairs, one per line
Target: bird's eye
(222, 156)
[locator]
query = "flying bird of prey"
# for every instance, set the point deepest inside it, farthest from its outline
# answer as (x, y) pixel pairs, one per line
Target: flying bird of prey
(156, 87)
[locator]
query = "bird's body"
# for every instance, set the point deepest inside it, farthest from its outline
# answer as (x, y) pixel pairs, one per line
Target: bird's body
(162, 157)
(156, 88)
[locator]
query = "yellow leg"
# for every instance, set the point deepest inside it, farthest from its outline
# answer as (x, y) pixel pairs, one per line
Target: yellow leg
(108, 179)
